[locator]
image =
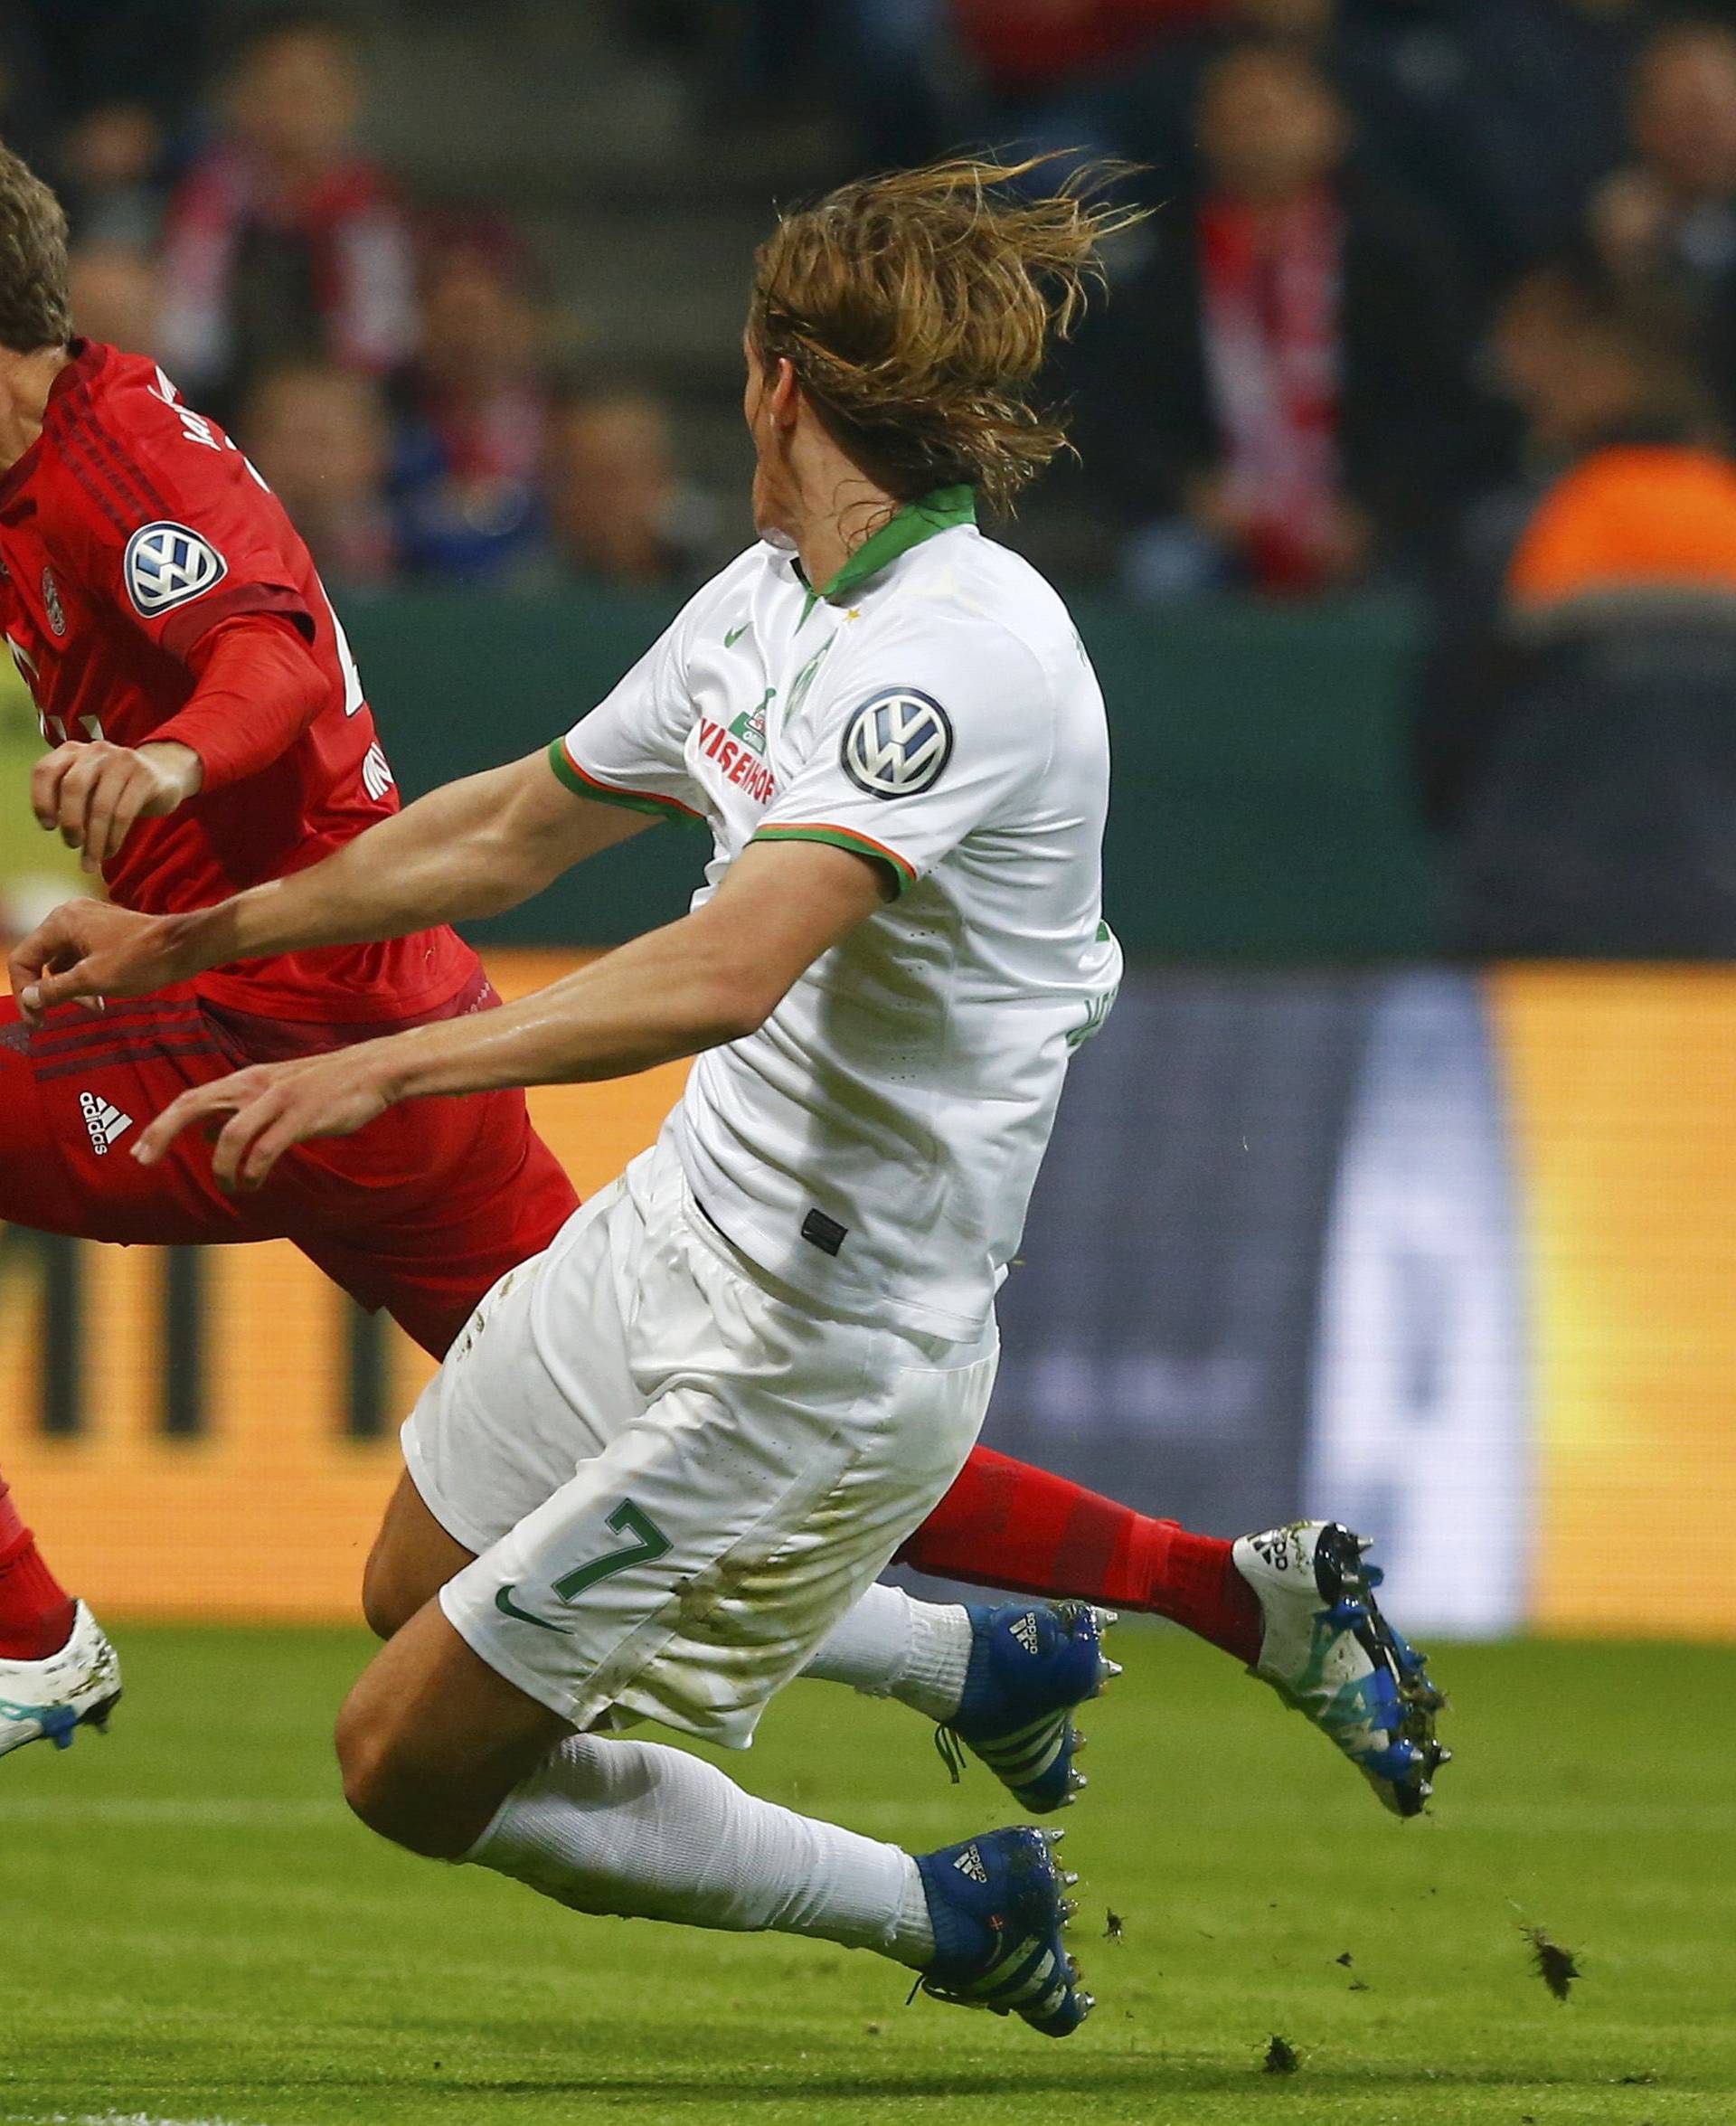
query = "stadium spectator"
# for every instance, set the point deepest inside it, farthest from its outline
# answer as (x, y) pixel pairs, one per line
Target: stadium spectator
(466, 480)
(1500, 114)
(1576, 741)
(98, 92)
(1277, 398)
(619, 512)
(1148, 110)
(113, 289)
(286, 241)
(1666, 222)
(113, 159)
(322, 440)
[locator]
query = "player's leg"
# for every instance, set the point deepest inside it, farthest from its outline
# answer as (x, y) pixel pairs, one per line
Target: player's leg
(35, 1611)
(1008, 1524)
(58, 1672)
(69, 1096)
(1296, 1604)
(445, 1756)
(1001, 1681)
(750, 1469)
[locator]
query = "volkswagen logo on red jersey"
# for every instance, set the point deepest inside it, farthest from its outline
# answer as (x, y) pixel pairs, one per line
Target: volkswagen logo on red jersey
(897, 744)
(51, 604)
(166, 564)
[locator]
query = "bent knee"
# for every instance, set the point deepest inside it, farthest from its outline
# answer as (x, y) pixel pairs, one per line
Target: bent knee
(389, 1785)
(371, 1764)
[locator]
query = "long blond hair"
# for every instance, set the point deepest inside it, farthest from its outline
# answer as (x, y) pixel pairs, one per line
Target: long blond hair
(917, 308)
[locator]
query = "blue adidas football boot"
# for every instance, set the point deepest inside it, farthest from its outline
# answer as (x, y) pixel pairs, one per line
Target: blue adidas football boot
(999, 1906)
(1330, 1654)
(1030, 1664)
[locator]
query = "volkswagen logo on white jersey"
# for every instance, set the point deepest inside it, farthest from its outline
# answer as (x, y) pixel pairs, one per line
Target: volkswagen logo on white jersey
(166, 564)
(897, 744)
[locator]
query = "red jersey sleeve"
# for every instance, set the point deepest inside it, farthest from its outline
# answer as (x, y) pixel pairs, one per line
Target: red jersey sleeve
(174, 529)
(258, 690)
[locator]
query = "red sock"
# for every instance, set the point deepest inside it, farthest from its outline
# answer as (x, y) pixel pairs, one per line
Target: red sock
(35, 1609)
(1005, 1523)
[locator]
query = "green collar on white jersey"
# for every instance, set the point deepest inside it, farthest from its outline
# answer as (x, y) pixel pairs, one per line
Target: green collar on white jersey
(938, 511)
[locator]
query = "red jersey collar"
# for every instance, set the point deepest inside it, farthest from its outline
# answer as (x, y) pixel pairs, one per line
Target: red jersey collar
(86, 359)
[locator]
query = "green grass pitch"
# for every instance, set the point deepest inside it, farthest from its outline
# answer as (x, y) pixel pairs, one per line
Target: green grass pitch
(194, 1931)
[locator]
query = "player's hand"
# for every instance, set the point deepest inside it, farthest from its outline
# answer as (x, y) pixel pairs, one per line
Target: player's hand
(87, 951)
(95, 792)
(265, 1110)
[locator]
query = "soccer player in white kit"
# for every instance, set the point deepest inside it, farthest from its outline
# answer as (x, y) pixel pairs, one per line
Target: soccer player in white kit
(668, 1458)
(683, 1440)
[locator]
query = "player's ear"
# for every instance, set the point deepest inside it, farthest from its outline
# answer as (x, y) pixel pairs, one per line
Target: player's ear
(784, 393)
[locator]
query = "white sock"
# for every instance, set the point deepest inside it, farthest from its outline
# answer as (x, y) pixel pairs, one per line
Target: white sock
(643, 1831)
(892, 1646)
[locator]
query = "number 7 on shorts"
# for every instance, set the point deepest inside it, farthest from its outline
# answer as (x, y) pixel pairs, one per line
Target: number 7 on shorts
(648, 1542)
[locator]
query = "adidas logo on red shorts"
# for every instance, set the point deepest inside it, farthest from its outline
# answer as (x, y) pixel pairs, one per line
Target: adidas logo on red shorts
(105, 1122)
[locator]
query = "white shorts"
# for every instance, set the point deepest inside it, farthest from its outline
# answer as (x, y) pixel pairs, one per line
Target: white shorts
(676, 1476)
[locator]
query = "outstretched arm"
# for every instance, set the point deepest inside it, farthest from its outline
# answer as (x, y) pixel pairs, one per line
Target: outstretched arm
(714, 977)
(471, 849)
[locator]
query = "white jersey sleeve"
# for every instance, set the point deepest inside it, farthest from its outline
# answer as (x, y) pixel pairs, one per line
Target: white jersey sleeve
(903, 771)
(631, 749)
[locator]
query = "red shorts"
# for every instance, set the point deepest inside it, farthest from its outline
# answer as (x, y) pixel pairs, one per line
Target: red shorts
(420, 1213)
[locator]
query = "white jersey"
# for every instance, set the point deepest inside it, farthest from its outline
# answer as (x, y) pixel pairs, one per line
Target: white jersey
(875, 1144)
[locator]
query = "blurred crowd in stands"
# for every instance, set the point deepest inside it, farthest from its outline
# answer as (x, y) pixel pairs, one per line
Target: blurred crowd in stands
(1441, 294)
(1307, 369)
(1312, 364)
(388, 367)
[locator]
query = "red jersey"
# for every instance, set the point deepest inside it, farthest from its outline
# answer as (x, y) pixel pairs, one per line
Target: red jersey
(129, 529)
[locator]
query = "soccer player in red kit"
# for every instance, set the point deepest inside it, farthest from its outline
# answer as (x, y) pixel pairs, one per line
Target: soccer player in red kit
(208, 732)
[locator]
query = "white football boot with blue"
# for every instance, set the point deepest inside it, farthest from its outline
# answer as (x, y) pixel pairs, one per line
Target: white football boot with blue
(1330, 1654)
(999, 1906)
(50, 1699)
(1032, 1664)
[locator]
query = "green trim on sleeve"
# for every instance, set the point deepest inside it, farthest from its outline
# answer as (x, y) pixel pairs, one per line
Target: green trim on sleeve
(634, 800)
(902, 873)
